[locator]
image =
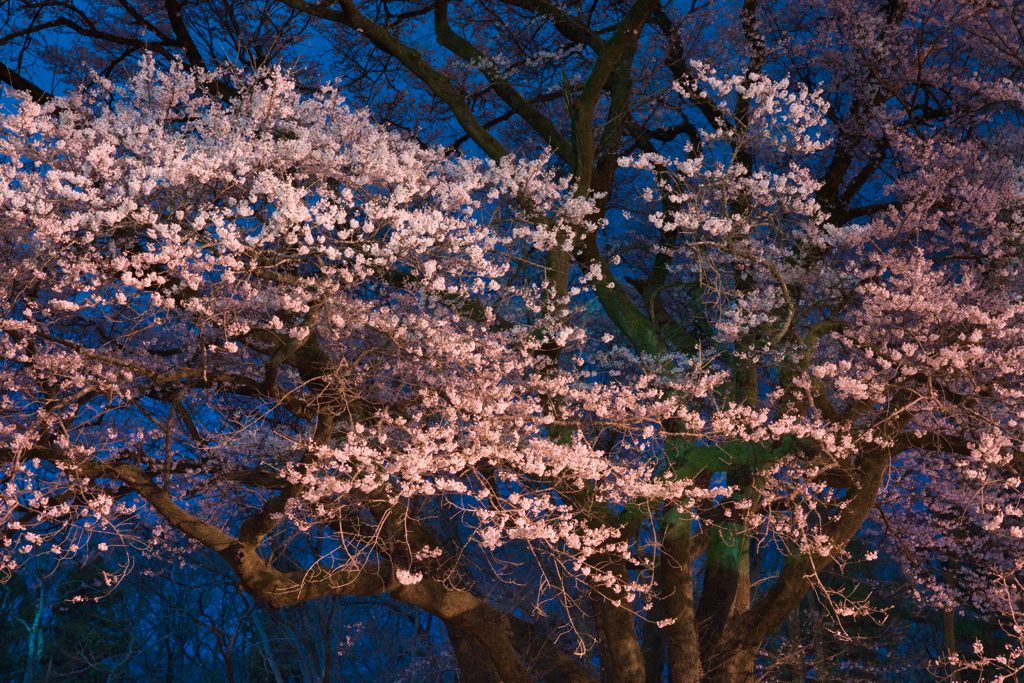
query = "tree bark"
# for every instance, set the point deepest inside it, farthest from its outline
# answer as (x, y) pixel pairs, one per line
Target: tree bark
(621, 658)
(546, 660)
(477, 630)
(734, 668)
(741, 603)
(653, 643)
(721, 580)
(684, 665)
(471, 657)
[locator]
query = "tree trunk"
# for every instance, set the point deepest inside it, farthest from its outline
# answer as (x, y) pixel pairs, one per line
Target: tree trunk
(741, 603)
(684, 664)
(733, 669)
(721, 580)
(621, 658)
(478, 632)
(471, 657)
(546, 659)
(652, 638)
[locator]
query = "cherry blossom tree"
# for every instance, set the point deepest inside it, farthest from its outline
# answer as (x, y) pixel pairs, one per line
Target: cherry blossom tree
(302, 313)
(750, 278)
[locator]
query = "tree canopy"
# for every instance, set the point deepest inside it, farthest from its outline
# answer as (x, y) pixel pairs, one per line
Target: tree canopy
(544, 319)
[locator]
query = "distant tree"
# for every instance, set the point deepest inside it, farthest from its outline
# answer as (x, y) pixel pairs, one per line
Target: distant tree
(22, 636)
(90, 629)
(63, 623)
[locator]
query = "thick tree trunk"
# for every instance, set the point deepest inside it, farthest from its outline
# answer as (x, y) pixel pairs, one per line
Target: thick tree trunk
(721, 580)
(653, 643)
(489, 634)
(480, 635)
(741, 603)
(734, 669)
(621, 658)
(547, 661)
(474, 664)
(677, 588)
